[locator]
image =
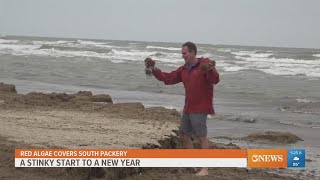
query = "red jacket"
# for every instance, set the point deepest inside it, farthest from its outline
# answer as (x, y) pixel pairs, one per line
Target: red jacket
(198, 86)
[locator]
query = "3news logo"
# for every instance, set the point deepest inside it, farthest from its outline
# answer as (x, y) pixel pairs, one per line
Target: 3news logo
(267, 158)
(296, 158)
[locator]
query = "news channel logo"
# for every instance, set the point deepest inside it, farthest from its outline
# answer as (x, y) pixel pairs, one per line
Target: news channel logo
(296, 158)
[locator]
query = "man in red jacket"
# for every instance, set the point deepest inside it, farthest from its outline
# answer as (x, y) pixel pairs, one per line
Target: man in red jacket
(198, 76)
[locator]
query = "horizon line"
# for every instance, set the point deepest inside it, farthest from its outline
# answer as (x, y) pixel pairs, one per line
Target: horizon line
(151, 41)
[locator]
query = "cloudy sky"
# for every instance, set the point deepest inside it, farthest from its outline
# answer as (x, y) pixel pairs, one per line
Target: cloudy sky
(285, 23)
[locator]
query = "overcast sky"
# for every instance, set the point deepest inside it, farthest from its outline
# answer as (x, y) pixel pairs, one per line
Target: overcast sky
(287, 23)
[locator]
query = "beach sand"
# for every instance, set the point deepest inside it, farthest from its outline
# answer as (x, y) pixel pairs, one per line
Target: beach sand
(83, 120)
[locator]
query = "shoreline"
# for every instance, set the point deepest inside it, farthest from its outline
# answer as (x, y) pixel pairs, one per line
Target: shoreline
(59, 120)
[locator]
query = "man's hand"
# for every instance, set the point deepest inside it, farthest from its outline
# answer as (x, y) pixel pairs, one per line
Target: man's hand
(207, 67)
(149, 63)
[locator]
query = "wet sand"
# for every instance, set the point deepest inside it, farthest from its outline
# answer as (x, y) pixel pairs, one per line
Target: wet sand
(81, 121)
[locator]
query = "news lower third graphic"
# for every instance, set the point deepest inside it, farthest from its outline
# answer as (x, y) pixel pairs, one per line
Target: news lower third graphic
(251, 158)
(296, 158)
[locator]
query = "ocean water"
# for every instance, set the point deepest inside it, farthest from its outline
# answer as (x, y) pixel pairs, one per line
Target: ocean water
(277, 87)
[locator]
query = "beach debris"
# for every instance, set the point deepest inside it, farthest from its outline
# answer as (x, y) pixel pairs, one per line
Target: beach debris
(213, 62)
(7, 88)
(207, 66)
(272, 136)
(302, 107)
(149, 63)
(148, 72)
(60, 99)
(101, 98)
